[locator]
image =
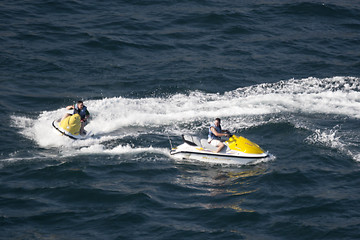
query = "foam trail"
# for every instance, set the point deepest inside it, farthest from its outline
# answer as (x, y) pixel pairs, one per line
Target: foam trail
(337, 95)
(115, 118)
(122, 149)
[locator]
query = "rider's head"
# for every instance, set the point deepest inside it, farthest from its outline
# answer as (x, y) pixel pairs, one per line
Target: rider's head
(80, 104)
(217, 122)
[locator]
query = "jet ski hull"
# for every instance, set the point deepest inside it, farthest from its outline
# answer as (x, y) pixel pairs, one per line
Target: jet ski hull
(199, 150)
(56, 125)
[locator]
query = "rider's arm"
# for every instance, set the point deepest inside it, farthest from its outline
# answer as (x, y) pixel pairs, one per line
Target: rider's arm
(70, 107)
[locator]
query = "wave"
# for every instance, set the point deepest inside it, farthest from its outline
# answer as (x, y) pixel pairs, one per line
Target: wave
(336, 139)
(115, 119)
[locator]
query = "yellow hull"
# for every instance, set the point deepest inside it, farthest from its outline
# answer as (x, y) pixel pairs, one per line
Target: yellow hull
(71, 124)
(70, 127)
(243, 145)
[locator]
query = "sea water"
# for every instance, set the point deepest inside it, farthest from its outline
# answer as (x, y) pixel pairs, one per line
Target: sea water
(284, 74)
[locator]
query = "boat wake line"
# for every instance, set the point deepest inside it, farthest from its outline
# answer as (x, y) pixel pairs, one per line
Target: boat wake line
(185, 113)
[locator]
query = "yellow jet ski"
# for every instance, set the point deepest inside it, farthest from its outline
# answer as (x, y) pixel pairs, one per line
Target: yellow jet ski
(237, 150)
(70, 127)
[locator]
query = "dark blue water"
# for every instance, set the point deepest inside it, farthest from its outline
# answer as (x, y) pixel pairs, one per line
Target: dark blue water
(284, 74)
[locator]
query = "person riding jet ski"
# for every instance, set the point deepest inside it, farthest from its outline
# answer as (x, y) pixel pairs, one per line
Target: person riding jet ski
(215, 134)
(81, 109)
(236, 149)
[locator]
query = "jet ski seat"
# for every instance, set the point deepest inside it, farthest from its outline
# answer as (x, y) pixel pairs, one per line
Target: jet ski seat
(196, 141)
(206, 145)
(192, 140)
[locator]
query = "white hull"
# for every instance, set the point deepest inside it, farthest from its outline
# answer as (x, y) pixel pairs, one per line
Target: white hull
(187, 152)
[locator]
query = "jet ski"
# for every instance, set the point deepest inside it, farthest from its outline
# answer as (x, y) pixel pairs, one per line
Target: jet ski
(237, 150)
(70, 127)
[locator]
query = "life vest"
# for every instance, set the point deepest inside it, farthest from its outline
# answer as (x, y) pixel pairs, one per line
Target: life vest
(81, 112)
(211, 135)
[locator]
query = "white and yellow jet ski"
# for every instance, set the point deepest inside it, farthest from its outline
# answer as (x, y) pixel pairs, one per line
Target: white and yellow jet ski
(237, 150)
(70, 127)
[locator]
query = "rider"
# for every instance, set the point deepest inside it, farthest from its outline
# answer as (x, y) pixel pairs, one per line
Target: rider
(215, 134)
(80, 109)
